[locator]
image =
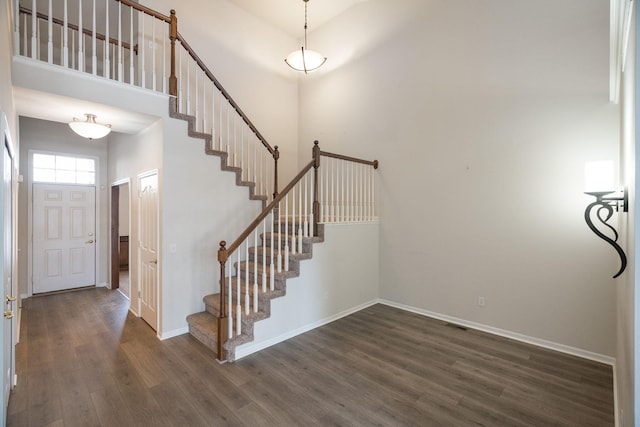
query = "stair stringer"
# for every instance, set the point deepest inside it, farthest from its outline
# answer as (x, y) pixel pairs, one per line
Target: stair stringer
(208, 149)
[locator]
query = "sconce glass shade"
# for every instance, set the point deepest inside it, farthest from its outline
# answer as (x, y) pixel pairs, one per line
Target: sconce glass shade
(305, 60)
(599, 177)
(89, 128)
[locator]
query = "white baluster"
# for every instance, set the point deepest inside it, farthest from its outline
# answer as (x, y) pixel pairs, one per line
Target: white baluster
(242, 164)
(246, 278)
(180, 82)
(333, 187)
(229, 299)
(306, 205)
(213, 115)
(373, 193)
(94, 54)
(286, 232)
(321, 197)
(34, 26)
(228, 132)
(235, 143)
(188, 86)
(165, 36)
(120, 70)
(153, 54)
(255, 271)
(350, 189)
(72, 50)
(279, 237)
(204, 104)
(300, 232)
(107, 59)
(16, 27)
(65, 36)
(80, 38)
(239, 301)
(143, 49)
(197, 95)
(293, 221)
(311, 218)
(131, 67)
(272, 270)
(264, 255)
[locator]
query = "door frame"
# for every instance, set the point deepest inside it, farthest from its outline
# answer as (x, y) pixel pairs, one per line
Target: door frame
(8, 144)
(115, 232)
(98, 220)
(159, 245)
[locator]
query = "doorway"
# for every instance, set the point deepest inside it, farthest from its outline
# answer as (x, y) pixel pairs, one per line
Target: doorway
(120, 232)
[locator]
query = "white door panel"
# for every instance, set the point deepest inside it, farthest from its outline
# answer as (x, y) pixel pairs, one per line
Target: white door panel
(148, 248)
(64, 248)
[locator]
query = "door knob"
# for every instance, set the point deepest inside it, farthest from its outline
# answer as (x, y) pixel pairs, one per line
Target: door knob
(8, 314)
(89, 241)
(155, 261)
(10, 299)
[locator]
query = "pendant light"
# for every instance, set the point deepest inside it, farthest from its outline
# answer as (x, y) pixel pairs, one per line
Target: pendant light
(89, 128)
(304, 59)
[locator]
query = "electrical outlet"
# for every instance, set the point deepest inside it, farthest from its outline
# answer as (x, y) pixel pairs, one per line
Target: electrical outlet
(481, 301)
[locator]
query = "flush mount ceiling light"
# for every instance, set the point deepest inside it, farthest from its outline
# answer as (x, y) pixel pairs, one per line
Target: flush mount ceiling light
(89, 128)
(304, 59)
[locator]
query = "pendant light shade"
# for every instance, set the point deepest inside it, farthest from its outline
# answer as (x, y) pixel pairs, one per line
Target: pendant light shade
(304, 59)
(89, 128)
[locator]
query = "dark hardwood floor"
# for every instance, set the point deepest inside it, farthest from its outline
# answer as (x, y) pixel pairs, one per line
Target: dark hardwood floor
(84, 361)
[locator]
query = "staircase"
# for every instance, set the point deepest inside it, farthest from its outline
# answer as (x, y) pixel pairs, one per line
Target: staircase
(255, 267)
(204, 325)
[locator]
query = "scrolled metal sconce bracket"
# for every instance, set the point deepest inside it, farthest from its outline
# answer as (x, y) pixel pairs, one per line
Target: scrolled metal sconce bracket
(605, 205)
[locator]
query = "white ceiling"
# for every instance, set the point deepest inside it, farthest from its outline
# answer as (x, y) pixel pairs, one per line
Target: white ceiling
(288, 15)
(56, 108)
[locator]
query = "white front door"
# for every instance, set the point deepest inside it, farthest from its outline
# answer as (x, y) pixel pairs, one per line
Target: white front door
(148, 248)
(64, 239)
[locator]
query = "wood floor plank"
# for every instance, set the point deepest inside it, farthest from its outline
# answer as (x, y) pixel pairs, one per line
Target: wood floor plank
(83, 359)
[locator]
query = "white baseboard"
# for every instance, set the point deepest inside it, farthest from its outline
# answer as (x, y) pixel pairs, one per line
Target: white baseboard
(608, 360)
(250, 348)
(174, 333)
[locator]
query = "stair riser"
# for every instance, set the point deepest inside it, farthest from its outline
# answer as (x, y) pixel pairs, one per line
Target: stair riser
(264, 302)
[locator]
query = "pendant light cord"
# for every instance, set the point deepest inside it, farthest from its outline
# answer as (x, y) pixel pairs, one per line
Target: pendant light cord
(306, 2)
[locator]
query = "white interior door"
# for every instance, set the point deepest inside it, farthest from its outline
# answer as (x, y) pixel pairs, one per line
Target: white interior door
(7, 293)
(148, 248)
(64, 240)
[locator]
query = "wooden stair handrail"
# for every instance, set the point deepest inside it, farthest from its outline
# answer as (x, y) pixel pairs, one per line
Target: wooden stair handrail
(222, 90)
(224, 252)
(146, 10)
(74, 27)
(373, 163)
(223, 255)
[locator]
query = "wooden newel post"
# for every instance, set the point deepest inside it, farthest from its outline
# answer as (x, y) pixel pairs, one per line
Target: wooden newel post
(316, 203)
(173, 36)
(276, 156)
(223, 319)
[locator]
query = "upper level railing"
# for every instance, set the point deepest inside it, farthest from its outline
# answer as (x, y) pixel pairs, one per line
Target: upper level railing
(338, 189)
(124, 41)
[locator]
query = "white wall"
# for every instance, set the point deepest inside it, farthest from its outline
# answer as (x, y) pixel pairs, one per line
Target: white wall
(320, 294)
(482, 114)
(6, 49)
(46, 136)
(201, 205)
(247, 56)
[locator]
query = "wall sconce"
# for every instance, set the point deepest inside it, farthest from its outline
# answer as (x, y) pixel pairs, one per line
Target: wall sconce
(599, 184)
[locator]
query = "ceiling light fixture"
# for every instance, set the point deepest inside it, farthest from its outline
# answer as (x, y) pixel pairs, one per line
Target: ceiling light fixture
(89, 128)
(304, 59)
